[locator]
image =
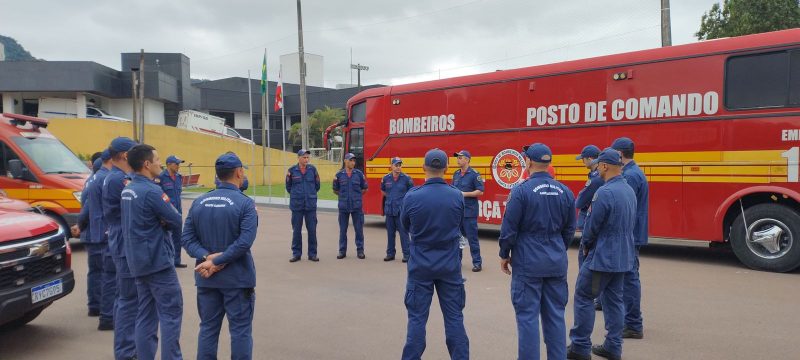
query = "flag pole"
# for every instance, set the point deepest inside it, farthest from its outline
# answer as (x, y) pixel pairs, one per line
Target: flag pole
(269, 153)
(283, 129)
(252, 135)
(264, 88)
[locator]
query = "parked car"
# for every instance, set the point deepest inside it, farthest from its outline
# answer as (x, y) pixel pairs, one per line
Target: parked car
(35, 264)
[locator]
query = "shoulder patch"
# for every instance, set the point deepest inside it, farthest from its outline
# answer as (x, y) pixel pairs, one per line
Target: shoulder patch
(588, 182)
(595, 196)
(165, 197)
(480, 178)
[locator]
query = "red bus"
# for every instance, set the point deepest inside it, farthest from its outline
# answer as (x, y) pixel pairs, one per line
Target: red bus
(716, 126)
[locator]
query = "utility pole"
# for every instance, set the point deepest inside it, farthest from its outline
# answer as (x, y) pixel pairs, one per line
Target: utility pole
(666, 27)
(134, 97)
(358, 68)
(303, 105)
(141, 97)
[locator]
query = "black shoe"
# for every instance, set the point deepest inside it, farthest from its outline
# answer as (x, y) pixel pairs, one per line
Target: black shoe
(313, 258)
(94, 312)
(405, 259)
(632, 334)
(361, 255)
(294, 259)
(181, 266)
(571, 354)
(388, 258)
(106, 325)
(601, 351)
(341, 255)
(598, 306)
(477, 268)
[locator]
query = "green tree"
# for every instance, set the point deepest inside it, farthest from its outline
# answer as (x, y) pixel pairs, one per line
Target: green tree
(743, 17)
(15, 51)
(318, 121)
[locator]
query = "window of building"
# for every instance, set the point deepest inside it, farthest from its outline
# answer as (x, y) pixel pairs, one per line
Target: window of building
(763, 80)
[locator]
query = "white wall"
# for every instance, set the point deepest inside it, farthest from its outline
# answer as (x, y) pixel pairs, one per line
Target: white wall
(153, 110)
(290, 65)
(242, 121)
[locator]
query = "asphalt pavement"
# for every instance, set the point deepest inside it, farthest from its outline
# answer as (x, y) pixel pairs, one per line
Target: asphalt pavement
(698, 303)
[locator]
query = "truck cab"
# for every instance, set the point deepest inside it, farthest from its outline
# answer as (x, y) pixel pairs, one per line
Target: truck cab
(37, 168)
(35, 265)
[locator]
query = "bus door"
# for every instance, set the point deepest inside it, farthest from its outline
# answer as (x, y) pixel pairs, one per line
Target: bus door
(355, 133)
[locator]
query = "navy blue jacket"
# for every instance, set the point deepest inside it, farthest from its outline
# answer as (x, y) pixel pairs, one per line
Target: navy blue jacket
(584, 198)
(146, 216)
(85, 215)
(350, 189)
(172, 188)
(608, 232)
(395, 191)
(302, 188)
(638, 182)
(432, 215)
(469, 181)
(538, 226)
(224, 221)
(113, 184)
(97, 227)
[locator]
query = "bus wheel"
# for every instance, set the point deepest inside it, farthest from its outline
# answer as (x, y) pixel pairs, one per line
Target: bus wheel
(771, 240)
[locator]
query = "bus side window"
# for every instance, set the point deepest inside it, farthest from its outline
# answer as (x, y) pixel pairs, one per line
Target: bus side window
(6, 155)
(358, 112)
(759, 81)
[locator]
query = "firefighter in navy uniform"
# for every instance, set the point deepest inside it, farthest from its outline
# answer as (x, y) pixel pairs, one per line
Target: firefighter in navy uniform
(537, 228)
(584, 199)
(470, 183)
(98, 230)
(171, 181)
(432, 214)
(94, 247)
(349, 185)
(394, 187)
(302, 184)
(607, 243)
(126, 304)
(148, 220)
(220, 229)
(634, 329)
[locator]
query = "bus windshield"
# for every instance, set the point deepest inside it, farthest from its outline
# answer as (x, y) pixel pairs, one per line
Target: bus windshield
(51, 156)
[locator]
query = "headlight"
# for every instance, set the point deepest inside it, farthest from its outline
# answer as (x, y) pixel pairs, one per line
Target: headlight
(77, 195)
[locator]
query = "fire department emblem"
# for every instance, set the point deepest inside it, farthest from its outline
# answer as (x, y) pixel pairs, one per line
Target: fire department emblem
(508, 168)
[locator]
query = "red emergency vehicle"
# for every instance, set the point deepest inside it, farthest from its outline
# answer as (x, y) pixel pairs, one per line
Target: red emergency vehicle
(37, 168)
(716, 126)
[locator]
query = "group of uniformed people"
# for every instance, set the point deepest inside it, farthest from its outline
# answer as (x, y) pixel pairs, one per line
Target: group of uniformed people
(132, 226)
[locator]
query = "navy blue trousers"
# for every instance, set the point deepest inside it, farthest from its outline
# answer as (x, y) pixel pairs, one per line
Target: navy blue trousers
(452, 298)
(160, 306)
(310, 217)
(238, 306)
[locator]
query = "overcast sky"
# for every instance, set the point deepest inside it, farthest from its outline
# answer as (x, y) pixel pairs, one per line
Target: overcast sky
(401, 41)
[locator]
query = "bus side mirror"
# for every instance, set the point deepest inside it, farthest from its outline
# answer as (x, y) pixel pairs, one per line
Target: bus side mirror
(16, 169)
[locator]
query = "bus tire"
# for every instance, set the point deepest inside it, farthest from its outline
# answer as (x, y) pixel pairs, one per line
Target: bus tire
(773, 239)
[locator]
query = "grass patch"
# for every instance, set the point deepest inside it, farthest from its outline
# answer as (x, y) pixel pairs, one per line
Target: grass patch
(325, 191)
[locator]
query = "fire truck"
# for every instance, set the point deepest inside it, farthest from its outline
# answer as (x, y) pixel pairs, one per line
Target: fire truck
(716, 126)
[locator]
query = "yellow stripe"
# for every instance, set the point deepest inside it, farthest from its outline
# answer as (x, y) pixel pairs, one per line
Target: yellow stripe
(757, 166)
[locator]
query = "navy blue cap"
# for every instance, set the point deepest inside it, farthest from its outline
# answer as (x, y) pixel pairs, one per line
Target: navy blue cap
(172, 159)
(397, 160)
(609, 156)
(228, 161)
(122, 144)
(622, 144)
(589, 151)
(463, 153)
(349, 156)
(436, 159)
(105, 155)
(97, 164)
(538, 152)
(303, 152)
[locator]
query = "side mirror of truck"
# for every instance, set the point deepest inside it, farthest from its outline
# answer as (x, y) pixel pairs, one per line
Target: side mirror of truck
(18, 170)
